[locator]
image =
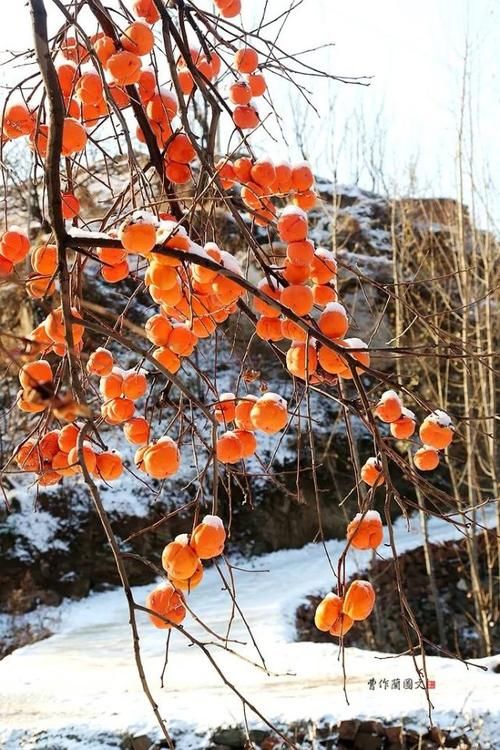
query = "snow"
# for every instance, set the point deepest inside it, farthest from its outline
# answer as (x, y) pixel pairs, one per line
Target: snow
(370, 515)
(291, 210)
(35, 531)
(440, 417)
(82, 680)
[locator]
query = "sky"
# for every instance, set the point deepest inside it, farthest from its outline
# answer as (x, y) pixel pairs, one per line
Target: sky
(400, 133)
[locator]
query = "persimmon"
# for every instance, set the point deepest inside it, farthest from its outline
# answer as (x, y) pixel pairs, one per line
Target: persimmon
(242, 411)
(179, 559)
(264, 308)
(100, 362)
(292, 224)
(226, 173)
(93, 112)
(263, 172)
(28, 456)
(27, 404)
(49, 445)
(426, 458)
(242, 169)
(437, 430)
(186, 81)
(39, 286)
(116, 273)
(361, 356)
(257, 84)
(6, 267)
(302, 359)
(70, 205)
(191, 583)
(158, 329)
(162, 459)
(147, 85)
(136, 431)
(138, 233)
(73, 50)
(109, 465)
(48, 478)
(302, 177)
(181, 149)
(55, 327)
(371, 472)
(74, 137)
(365, 531)
(39, 140)
(178, 173)
(112, 256)
(17, 120)
(246, 60)
(269, 413)
(61, 464)
(329, 617)
(246, 117)
(323, 294)
(283, 177)
(323, 266)
(89, 457)
(119, 409)
(300, 253)
(138, 38)
(208, 538)
(162, 106)
(298, 298)
(248, 442)
(33, 374)
(389, 407)
(110, 386)
(296, 274)
(166, 602)
(182, 341)
(291, 330)
(134, 384)
(305, 200)
(229, 449)
(269, 329)
(124, 68)
(14, 245)
(240, 92)
(359, 600)
(119, 96)
(89, 87)
(229, 10)
(68, 437)
(146, 9)
(404, 427)
(167, 359)
(333, 320)
(225, 408)
(104, 47)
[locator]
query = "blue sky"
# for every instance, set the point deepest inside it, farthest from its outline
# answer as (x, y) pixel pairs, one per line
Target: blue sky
(409, 116)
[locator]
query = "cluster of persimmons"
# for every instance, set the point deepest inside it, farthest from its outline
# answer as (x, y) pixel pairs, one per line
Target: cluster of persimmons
(182, 562)
(194, 290)
(337, 614)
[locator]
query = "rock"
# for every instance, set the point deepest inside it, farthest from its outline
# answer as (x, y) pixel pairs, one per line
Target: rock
(461, 742)
(367, 741)
(141, 743)
(348, 729)
(258, 735)
(233, 737)
(437, 735)
(395, 735)
(372, 726)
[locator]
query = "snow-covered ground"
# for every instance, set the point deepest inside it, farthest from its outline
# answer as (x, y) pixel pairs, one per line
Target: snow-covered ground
(82, 682)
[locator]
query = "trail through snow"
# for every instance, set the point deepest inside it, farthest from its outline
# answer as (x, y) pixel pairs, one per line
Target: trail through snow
(83, 678)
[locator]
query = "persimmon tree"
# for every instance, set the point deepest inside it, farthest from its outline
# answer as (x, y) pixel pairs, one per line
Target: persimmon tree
(132, 80)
